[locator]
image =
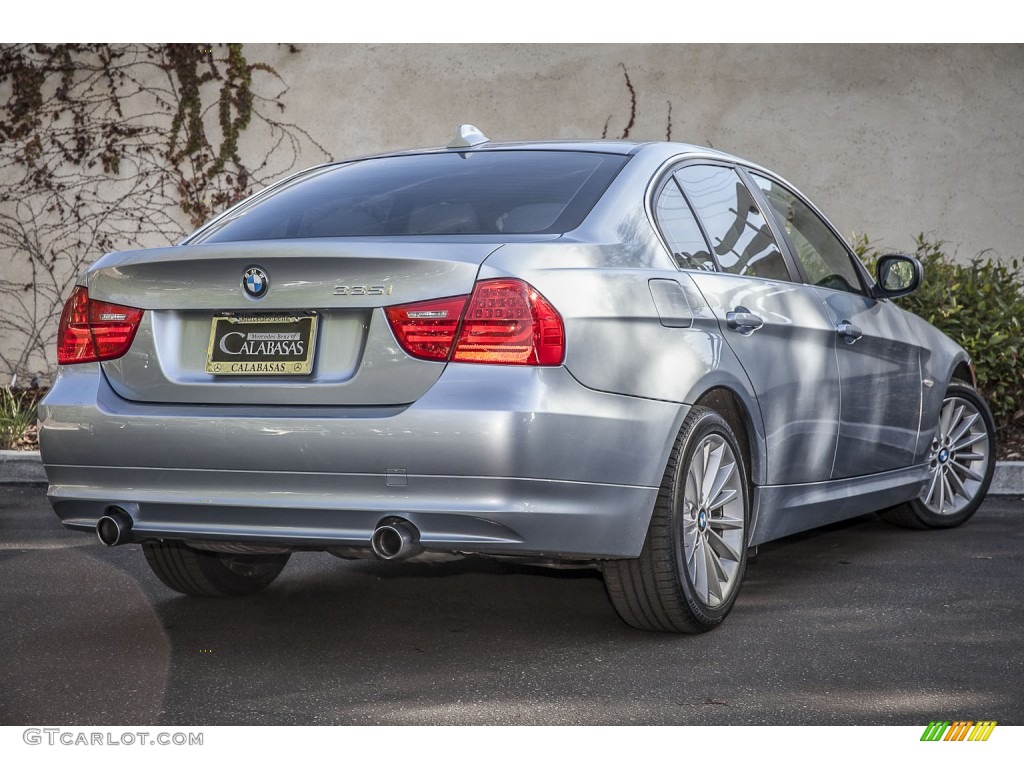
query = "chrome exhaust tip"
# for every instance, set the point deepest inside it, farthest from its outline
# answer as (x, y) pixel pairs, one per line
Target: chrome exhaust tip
(395, 539)
(115, 527)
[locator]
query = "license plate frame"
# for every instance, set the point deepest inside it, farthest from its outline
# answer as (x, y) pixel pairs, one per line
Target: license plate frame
(263, 344)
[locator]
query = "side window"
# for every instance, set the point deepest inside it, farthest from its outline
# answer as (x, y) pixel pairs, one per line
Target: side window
(681, 230)
(823, 256)
(738, 231)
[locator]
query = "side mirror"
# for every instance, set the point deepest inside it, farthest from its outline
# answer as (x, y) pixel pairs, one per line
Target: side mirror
(897, 275)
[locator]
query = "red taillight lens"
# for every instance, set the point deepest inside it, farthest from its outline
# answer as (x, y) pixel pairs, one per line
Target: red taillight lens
(427, 329)
(94, 330)
(508, 322)
(74, 342)
(504, 321)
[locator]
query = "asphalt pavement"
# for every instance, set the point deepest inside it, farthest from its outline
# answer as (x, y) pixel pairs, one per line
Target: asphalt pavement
(858, 623)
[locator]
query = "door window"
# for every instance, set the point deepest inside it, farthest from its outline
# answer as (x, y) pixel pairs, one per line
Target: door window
(823, 256)
(738, 231)
(681, 231)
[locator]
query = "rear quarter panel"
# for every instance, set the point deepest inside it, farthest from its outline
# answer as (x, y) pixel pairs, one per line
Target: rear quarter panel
(616, 340)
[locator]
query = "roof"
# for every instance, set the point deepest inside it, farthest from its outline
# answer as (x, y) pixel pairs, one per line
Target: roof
(610, 146)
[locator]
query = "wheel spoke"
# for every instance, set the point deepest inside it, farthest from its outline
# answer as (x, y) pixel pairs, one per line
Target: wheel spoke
(694, 483)
(721, 548)
(929, 497)
(956, 484)
(969, 442)
(691, 554)
(962, 427)
(945, 419)
(723, 476)
(961, 457)
(958, 414)
(700, 574)
(722, 498)
(714, 575)
(709, 483)
(950, 496)
(725, 522)
(942, 491)
(963, 469)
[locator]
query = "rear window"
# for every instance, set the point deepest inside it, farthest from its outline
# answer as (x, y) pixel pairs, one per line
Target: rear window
(482, 193)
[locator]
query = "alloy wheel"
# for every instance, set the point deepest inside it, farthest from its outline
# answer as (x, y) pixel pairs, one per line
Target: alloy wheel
(713, 520)
(959, 458)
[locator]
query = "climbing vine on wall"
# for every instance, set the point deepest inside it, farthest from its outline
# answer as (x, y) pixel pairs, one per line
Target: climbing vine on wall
(107, 147)
(631, 119)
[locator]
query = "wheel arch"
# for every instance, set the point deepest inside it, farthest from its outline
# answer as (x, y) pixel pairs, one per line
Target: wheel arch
(957, 369)
(738, 416)
(965, 373)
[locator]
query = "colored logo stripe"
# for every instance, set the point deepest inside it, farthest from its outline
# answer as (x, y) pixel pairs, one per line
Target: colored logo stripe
(958, 730)
(935, 730)
(982, 730)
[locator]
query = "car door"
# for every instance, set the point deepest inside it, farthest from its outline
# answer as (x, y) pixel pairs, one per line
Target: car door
(879, 361)
(776, 326)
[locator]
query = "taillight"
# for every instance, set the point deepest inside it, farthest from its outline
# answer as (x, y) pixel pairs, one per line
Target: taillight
(504, 321)
(93, 330)
(507, 321)
(427, 329)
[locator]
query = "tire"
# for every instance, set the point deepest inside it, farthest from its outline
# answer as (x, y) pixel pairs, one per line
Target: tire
(211, 574)
(691, 537)
(961, 461)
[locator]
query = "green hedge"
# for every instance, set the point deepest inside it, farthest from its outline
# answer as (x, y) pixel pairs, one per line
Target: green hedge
(981, 306)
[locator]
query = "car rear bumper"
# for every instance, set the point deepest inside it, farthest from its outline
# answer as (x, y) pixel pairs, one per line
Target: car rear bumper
(500, 460)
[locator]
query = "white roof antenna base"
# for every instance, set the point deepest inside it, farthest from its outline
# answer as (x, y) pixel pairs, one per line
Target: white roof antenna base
(467, 135)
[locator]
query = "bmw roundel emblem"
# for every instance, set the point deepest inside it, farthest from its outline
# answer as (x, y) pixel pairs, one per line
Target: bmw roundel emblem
(255, 282)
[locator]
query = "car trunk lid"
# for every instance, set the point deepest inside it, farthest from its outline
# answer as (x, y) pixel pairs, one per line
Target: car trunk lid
(342, 284)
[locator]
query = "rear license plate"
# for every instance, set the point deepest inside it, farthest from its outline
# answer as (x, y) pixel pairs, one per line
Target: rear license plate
(262, 345)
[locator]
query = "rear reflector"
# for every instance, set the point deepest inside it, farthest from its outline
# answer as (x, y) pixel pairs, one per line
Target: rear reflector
(93, 330)
(504, 322)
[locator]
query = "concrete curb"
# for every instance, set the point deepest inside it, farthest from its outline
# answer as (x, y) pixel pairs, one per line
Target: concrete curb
(1008, 479)
(21, 467)
(18, 467)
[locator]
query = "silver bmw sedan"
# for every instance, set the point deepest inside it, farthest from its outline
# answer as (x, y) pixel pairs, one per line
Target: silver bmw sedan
(641, 357)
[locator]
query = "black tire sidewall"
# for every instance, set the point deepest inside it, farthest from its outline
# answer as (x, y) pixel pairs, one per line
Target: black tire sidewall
(210, 574)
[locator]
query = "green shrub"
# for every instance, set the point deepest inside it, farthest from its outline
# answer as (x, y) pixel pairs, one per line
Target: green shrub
(17, 414)
(981, 306)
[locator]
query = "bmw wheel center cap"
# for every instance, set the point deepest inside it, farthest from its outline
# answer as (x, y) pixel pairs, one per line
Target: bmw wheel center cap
(255, 282)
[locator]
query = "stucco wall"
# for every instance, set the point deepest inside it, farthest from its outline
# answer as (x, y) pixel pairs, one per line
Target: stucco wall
(888, 140)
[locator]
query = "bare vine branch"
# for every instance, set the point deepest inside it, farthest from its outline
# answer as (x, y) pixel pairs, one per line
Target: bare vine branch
(631, 121)
(109, 147)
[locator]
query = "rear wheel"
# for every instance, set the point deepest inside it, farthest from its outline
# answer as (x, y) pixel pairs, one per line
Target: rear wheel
(211, 574)
(688, 573)
(961, 462)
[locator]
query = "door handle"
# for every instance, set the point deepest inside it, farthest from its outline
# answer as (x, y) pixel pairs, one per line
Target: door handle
(848, 331)
(743, 320)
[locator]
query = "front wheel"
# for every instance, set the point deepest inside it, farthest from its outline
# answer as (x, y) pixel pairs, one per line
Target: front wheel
(961, 461)
(689, 571)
